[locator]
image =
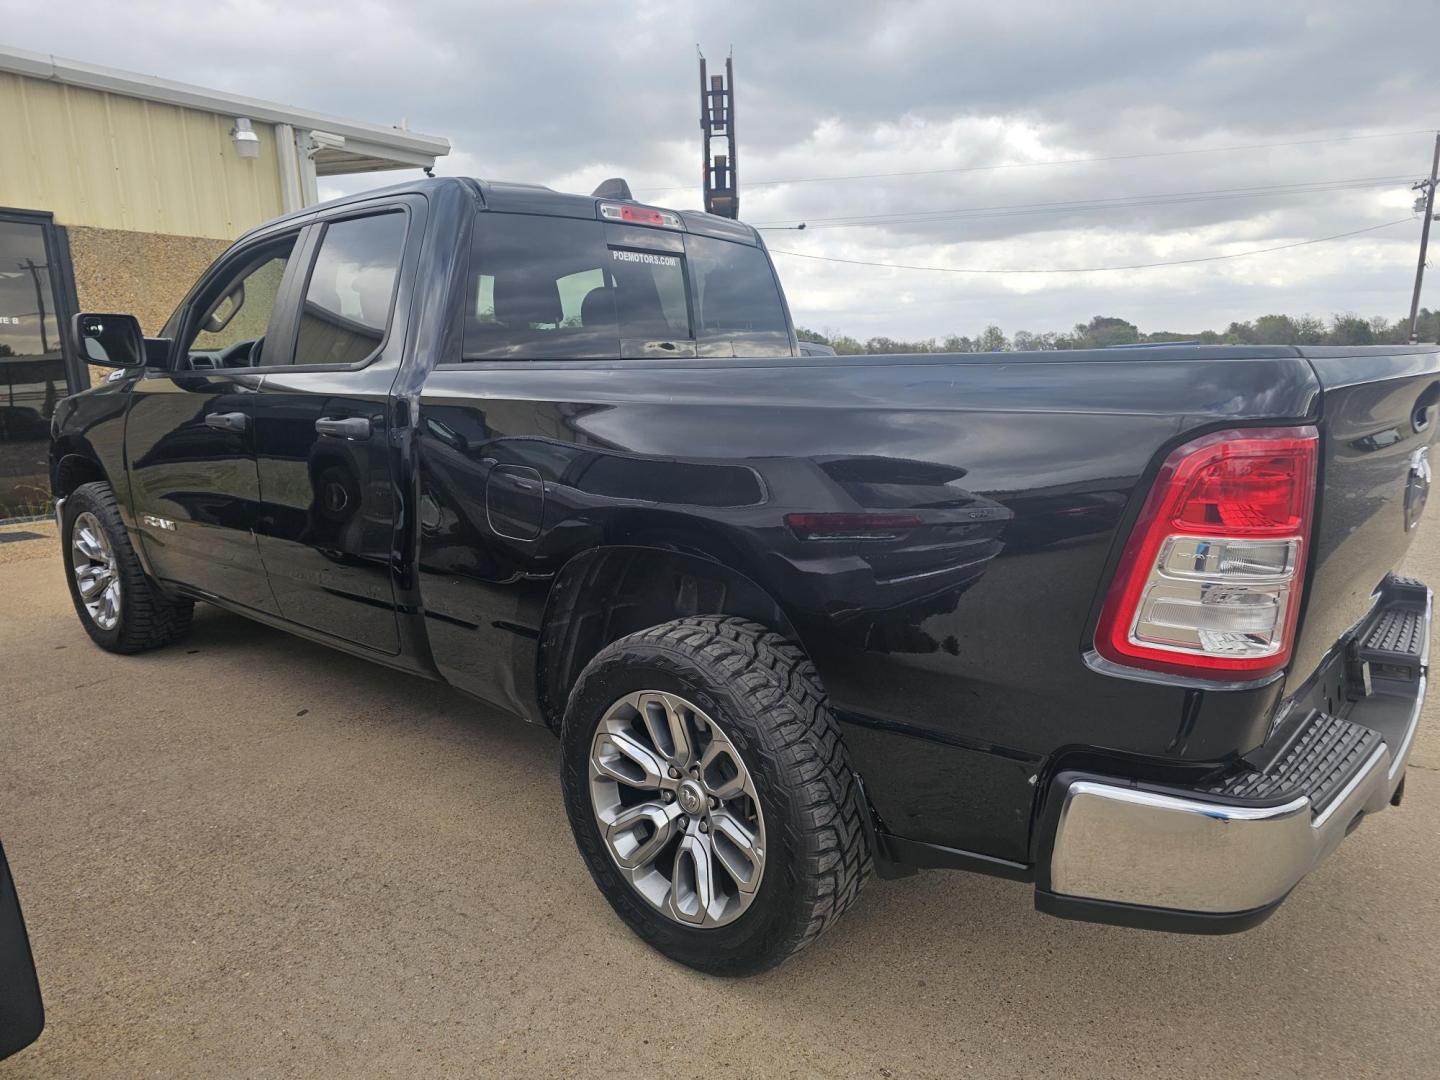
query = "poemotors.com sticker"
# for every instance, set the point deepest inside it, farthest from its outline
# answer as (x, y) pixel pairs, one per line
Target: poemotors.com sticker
(646, 257)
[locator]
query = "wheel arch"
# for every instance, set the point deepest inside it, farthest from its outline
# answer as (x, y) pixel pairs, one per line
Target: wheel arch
(71, 467)
(607, 592)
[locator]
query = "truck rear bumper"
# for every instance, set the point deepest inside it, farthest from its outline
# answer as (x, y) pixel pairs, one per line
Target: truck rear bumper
(1222, 857)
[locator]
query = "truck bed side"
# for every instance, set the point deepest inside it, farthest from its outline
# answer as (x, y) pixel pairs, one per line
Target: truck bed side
(948, 619)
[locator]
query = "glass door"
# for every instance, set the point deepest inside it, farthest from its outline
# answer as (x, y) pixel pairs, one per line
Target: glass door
(33, 371)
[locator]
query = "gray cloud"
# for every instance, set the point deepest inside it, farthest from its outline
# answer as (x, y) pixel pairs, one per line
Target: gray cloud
(569, 92)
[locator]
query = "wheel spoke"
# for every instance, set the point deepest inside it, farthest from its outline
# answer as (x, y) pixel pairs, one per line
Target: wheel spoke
(621, 757)
(93, 580)
(664, 721)
(638, 833)
(724, 788)
(692, 883)
(737, 849)
(112, 601)
(91, 545)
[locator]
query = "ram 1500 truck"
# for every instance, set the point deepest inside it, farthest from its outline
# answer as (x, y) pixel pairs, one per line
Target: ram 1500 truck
(1122, 623)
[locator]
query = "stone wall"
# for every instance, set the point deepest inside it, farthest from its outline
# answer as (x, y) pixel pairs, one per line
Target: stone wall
(142, 274)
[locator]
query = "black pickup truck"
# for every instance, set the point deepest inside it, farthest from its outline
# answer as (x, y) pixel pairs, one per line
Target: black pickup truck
(1122, 623)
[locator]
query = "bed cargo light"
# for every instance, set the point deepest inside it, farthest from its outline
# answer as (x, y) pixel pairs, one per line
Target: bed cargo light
(640, 215)
(1209, 583)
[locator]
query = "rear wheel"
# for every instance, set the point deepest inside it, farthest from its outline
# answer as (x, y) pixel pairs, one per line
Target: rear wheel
(121, 609)
(710, 793)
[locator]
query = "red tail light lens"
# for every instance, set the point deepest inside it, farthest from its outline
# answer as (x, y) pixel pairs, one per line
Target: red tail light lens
(1209, 583)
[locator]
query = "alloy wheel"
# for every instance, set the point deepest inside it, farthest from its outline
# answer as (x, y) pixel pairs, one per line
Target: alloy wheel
(677, 808)
(96, 575)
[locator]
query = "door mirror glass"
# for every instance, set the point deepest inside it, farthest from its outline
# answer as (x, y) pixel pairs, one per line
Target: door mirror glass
(224, 310)
(110, 340)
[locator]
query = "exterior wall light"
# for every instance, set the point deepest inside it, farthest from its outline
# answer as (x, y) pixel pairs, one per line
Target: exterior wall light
(247, 143)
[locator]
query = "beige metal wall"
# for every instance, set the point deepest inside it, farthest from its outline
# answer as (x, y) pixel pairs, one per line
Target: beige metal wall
(116, 162)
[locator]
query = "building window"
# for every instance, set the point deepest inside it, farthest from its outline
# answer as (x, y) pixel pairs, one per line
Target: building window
(33, 371)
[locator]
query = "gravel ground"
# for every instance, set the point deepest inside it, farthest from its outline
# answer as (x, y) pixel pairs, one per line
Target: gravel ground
(247, 855)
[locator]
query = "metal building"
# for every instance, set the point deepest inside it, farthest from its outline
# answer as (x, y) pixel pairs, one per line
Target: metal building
(116, 191)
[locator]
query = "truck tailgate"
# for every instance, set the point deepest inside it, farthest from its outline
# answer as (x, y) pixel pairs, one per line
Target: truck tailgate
(1380, 409)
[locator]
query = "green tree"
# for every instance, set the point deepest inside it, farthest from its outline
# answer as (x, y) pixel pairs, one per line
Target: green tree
(994, 340)
(1349, 330)
(1309, 330)
(1240, 333)
(1103, 331)
(1275, 330)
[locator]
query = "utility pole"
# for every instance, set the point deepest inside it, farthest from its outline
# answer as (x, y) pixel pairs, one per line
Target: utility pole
(717, 120)
(35, 268)
(1429, 200)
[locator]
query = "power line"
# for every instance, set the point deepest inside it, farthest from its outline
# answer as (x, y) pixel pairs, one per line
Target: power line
(1066, 161)
(1097, 269)
(915, 217)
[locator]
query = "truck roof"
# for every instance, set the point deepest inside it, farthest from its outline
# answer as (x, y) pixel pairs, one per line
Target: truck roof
(516, 198)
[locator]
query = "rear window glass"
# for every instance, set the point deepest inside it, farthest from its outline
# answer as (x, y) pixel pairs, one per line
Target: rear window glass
(543, 288)
(737, 300)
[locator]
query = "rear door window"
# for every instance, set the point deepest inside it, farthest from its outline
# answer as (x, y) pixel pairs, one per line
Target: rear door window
(737, 300)
(351, 290)
(543, 288)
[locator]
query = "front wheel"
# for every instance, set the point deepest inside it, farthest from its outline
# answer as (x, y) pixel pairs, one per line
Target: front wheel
(711, 795)
(121, 609)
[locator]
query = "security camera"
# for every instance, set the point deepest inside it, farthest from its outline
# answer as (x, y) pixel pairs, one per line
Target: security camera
(324, 140)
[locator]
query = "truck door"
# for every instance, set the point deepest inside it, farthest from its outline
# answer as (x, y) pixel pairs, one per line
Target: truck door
(329, 504)
(190, 430)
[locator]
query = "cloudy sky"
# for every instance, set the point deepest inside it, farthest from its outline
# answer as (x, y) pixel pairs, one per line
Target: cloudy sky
(977, 101)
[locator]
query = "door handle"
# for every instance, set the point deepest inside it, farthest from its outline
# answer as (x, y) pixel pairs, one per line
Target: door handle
(351, 427)
(227, 421)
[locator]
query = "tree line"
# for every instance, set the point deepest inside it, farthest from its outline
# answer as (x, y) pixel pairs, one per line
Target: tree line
(1106, 330)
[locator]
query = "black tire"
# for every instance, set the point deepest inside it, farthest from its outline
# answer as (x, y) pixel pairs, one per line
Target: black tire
(767, 698)
(147, 618)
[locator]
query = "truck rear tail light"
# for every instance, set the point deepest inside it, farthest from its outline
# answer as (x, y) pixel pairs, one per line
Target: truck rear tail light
(640, 215)
(1210, 580)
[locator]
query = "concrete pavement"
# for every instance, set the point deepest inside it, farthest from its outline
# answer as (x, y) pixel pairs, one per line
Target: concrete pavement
(246, 855)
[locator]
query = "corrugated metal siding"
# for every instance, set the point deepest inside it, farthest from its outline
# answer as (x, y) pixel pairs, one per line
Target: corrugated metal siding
(117, 162)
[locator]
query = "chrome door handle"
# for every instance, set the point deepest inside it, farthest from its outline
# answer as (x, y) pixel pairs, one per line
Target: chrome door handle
(227, 421)
(351, 427)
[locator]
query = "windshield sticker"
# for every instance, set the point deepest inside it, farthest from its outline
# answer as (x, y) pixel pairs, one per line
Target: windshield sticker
(645, 257)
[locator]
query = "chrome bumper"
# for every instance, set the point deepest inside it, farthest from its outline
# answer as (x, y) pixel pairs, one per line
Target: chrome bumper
(1120, 851)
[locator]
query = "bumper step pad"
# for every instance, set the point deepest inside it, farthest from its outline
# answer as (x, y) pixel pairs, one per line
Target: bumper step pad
(1397, 638)
(1317, 760)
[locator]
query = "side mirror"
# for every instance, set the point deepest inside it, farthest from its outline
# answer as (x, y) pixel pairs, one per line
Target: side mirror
(109, 340)
(22, 1014)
